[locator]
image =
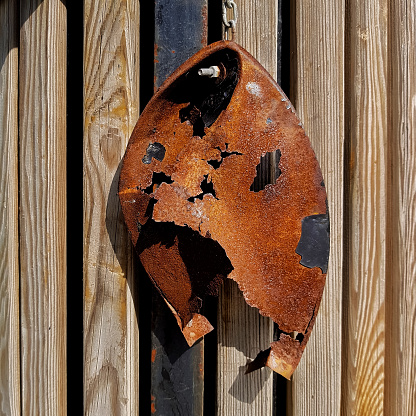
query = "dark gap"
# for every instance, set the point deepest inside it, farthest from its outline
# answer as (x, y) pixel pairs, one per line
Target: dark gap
(217, 163)
(310, 320)
(279, 43)
(281, 386)
(207, 188)
(209, 310)
(154, 150)
(74, 222)
(345, 336)
(267, 171)
(210, 307)
(147, 18)
(299, 337)
(143, 317)
(157, 179)
(214, 24)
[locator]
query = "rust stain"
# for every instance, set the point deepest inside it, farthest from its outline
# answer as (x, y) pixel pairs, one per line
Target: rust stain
(153, 357)
(152, 405)
(199, 210)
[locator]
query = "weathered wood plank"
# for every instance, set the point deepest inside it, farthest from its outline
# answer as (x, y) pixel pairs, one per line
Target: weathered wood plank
(400, 280)
(242, 331)
(177, 371)
(363, 387)
(319, 101)
(111, 71)
(9, 239)
(42, 151)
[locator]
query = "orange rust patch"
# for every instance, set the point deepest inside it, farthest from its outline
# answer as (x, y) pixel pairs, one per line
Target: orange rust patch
(153, 358)
(152, 405)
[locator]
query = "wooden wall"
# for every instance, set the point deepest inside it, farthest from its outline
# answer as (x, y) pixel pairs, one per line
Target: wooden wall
(348, 67)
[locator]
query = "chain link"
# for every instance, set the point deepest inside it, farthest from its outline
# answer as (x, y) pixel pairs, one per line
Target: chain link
(229, 24)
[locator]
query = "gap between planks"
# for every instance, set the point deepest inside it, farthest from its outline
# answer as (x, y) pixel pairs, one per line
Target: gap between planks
(242, 331)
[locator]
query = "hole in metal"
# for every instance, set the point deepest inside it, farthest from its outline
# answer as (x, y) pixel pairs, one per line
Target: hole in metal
(267, 171)
(157, 179)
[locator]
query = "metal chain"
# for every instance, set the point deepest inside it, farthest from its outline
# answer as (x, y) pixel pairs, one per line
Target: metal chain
(229, 23)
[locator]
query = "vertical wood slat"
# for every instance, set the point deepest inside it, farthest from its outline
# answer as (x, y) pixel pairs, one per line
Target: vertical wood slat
(363, 384)
(177, 371)
(401, 287)
(111, 100)
(242, 331)
(42, 152)
(319, 101)
(9, 249)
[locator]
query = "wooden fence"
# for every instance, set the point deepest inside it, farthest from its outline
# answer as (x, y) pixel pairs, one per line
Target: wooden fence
(73, 80)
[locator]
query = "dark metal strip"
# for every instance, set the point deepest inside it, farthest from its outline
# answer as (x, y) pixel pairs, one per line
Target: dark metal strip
(177, 371)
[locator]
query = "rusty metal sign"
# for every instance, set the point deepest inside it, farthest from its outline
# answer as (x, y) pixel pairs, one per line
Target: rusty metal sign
(197, 214)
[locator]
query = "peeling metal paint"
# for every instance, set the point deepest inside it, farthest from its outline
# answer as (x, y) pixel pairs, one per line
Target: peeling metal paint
(193, 215)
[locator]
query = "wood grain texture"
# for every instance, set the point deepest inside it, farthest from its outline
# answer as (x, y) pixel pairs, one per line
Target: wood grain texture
(111, 70)
(42, 151)
(242, 331)
(9, 239)
(363, 387)
(319, 101)
(400, 282)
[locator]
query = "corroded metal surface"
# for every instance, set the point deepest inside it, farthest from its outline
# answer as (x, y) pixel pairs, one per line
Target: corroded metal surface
(195, 217)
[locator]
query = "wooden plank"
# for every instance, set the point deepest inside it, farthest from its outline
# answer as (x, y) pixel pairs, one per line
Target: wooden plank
(363, 388)
(177, 371)
(111, 100)
(400, 280)
(9, 238)
(42, 131)
(319, 100)
(242, 331)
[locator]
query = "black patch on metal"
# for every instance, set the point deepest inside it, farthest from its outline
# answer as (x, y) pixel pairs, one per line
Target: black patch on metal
(154, 150)
(313, 245)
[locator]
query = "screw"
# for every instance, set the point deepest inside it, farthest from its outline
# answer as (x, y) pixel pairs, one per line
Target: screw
(212, 72)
